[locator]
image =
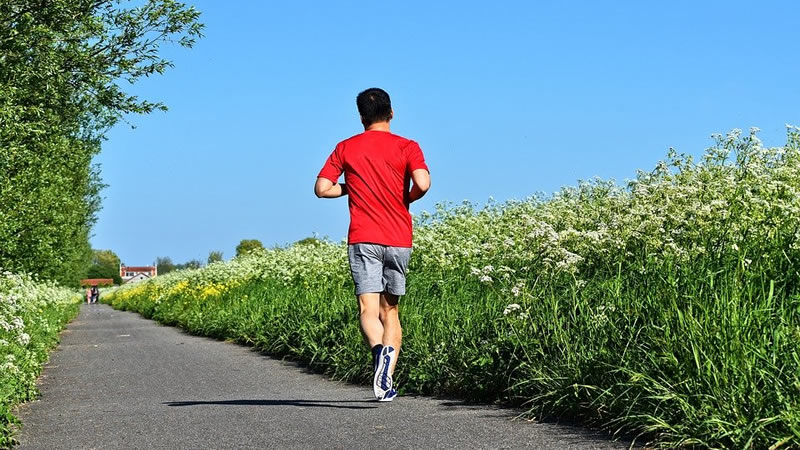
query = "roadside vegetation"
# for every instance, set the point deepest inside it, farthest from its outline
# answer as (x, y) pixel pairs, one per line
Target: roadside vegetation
(32, 313)
(65, 68)
(668, 308)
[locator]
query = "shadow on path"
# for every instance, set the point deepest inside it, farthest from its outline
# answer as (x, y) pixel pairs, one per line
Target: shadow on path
(300, 403)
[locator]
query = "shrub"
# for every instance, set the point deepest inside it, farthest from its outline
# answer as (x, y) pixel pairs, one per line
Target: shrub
(667, 308)
(31, 316)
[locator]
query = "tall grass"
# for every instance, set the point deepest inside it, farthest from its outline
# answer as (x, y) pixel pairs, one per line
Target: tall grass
(668, 308)
(31, 315)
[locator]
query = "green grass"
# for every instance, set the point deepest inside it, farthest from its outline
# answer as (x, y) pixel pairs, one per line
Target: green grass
(668, 309)
(31, 316)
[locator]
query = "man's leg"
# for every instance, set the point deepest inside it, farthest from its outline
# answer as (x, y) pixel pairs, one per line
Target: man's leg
(369, 315)
(390, 320)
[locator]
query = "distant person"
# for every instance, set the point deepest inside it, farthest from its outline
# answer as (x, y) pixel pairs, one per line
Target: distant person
(378, 169)
(95, 294)
(88, 295)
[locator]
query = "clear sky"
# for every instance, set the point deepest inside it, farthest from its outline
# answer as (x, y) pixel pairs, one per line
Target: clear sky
(505, 98)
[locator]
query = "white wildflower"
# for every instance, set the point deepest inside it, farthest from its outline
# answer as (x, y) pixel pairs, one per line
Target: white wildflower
(569, 260)
(594, 236)
(516, 291)
(9, 367)
(511, 308)
(23, 339)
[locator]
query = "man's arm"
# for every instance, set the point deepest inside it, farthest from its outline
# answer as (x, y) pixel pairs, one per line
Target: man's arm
(422, 182)
(325, 188)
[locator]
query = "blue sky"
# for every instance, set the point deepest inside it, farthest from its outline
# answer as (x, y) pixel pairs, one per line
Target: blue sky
(505, 98)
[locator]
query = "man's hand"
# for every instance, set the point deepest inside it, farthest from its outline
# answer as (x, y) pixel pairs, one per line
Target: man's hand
(325, 188)
(422, 182)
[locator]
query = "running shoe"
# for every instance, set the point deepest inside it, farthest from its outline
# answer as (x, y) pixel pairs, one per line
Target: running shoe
(389, 396)
(382, 382)
(376, 354)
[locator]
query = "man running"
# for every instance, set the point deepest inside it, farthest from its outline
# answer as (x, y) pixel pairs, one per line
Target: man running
(378, 169)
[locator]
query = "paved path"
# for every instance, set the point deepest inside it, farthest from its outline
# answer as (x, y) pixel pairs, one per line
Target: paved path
(120, 381)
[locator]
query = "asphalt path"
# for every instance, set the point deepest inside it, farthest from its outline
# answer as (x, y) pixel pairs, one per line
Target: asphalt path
(119, 381)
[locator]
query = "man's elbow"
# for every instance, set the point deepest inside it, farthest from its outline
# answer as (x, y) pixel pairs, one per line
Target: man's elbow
(422, 180)
(424, 185)
(321, 187)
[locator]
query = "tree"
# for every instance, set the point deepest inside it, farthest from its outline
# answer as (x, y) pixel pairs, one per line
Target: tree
(311, 240)
(248, 245)
(191, 264)
(105, 258)
(105, 264)
(164, 265)
(214, 256)
(62, 67)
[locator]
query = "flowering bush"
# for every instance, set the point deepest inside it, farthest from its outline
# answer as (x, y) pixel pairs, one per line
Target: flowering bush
(31, 315)
(667, 308)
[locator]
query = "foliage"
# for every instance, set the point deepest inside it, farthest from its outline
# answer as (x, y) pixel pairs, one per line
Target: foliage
(667, 308)
(247, 246)
(214, 256)
(61, 64)
(105, 264)
(311, 240)
(191, 264)
(31, 315)
(164, 265)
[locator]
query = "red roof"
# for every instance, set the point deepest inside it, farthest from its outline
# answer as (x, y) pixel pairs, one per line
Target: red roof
(97, 281)
(139, 268)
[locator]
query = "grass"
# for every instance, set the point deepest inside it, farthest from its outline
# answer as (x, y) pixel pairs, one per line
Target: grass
(668, 309)
(31, 316)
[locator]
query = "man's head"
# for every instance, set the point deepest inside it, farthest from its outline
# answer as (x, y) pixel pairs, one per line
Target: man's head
(374, 106)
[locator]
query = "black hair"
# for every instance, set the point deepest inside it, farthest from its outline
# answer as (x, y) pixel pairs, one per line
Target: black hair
(374, 105)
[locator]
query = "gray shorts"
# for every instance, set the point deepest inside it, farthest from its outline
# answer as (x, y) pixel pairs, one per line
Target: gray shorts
(378, 268)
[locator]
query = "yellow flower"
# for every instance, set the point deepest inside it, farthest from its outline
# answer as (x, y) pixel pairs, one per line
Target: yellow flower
(212, 290)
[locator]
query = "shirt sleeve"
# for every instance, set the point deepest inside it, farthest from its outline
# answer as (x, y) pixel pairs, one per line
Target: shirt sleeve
(334, 166)
(414, 157)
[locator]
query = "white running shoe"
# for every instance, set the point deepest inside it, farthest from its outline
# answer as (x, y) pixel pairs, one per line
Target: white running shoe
(389, 396)
(382, 382)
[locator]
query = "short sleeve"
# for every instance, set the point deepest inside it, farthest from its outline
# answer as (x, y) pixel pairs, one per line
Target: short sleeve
(334, 166)
(414, 158)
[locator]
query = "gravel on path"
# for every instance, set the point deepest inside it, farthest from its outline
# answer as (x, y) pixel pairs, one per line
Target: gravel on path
(119, 381)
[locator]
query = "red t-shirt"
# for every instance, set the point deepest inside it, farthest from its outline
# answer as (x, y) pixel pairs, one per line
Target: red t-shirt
(377, 168)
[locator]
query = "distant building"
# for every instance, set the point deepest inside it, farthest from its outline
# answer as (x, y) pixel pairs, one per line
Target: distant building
(134, 274)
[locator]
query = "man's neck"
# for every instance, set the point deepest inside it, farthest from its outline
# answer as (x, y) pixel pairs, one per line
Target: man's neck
(378, 126)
